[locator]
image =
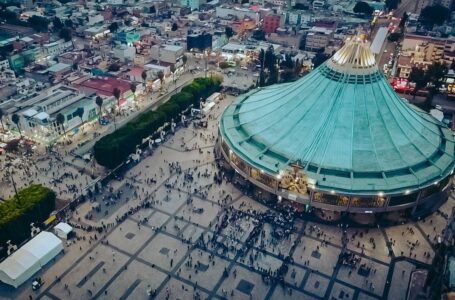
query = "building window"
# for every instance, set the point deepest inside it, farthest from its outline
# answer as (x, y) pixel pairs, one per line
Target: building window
(368, 201)
(403, 199)
(331, 199)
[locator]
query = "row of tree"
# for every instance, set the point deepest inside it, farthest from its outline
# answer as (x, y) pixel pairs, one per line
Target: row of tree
(113, 149)
(31, 205)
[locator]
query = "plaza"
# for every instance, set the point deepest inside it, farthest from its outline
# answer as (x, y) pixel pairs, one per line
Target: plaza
(174, 233)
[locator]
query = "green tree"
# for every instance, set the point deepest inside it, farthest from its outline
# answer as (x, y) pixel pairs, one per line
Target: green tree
(418, 77)
(174, 27)
(161, 78)
(259, 35)
(435, 74)
(117, 93)
(144, 76)
(99, 103)
(269, 58)
(69, 23)
(113, 27)
(395, 37)
(80, 113)
(1, 119)
(38, 23)
(15, 118)
(66, 34)
(133, 89)
(403, 21)
(319, 58)
(434, 15)
(114, 67)
(57, 23)
(229, 32)
(363, 8)
(60, 118)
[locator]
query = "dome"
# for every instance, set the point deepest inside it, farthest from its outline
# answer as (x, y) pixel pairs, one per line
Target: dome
(344, 125)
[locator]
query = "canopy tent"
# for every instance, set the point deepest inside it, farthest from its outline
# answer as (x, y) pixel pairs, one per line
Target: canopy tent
(63, 230)
(29, 259)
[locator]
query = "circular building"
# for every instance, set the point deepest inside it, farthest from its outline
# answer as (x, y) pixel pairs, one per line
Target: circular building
(339, 139)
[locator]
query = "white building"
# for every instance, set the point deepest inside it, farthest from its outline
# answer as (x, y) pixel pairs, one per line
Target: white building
(37, 116)
(167, 53)
(4, 65)
(193, 4)
(56, 48)
(240, 13)
(124, 52)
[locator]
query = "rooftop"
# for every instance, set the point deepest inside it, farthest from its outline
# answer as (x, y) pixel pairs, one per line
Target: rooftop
(345, 124)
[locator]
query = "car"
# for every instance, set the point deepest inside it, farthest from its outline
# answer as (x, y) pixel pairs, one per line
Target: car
(37, 283)
(243, 68)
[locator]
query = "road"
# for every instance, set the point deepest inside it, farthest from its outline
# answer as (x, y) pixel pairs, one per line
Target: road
(152, 105)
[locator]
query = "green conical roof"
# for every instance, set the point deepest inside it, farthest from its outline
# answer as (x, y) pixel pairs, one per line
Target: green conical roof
(345, 124)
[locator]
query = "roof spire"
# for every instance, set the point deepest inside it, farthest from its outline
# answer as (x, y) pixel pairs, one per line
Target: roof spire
(355, 57)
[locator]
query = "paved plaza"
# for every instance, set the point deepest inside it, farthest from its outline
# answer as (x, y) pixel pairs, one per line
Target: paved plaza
(172, 233)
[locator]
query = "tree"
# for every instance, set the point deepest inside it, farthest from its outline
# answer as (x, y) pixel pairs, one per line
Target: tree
(113, 27)
(434, 15)
(269, 58)
(69, 23)
(435, 74)
(117, 93)
(57, 23)
(229, 32)
(174, 27)
(172, 68)
(417, 76)
(363, 8)
(114, 67)
(66, 34)
(392, 4)
(184, 60)
(80, 113)
(1, 119)
(133, 89)
(38, 23)
(15, 118)
(99, 102)
(258, 35)
(319, 58)
(403, 21)
(161, 78)
(144, 76)
(60, 118)
(395, 37)
(152, 9)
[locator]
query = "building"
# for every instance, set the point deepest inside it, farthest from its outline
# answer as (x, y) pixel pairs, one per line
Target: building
(56, 48)
(318, 38)
(170, 54)
(105, 86)
(340, 140)
(15, 30)
(193, 4)
(271, 23)
(239, 13)
(38, 115)
(199, 41)
(124, 52)
(445, 3)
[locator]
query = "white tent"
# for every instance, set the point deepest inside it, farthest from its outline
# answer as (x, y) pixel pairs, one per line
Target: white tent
(62, 230)
(29, 259)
